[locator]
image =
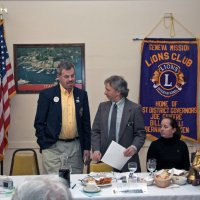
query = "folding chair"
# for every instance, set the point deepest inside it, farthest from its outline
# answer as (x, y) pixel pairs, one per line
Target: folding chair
(99, 167)
(192, 156)
(1, 161)
(24, 162)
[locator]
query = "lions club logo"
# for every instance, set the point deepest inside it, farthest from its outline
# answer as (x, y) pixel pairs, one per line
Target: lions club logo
(168, 79)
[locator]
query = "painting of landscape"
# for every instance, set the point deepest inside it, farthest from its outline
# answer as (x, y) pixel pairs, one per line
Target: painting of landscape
(35, 65)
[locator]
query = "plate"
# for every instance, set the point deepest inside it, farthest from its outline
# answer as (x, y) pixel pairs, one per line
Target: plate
(91, 191)
(104, 185)
(85, 181)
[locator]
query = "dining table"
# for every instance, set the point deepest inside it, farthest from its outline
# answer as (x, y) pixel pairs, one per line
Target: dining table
(118, 189)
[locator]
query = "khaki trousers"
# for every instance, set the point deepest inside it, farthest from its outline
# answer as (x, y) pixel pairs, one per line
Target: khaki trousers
(51, 157)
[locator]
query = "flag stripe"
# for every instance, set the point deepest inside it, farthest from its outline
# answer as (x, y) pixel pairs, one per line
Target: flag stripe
(7, 89)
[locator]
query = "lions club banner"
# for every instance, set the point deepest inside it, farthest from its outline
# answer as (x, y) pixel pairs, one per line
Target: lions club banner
(168, 88)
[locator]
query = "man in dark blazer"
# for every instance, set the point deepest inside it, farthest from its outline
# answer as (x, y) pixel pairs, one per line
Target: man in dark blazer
(57, 108)
(130, 132)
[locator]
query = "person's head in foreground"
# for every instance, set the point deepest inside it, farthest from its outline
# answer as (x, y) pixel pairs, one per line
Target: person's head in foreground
(42, 188)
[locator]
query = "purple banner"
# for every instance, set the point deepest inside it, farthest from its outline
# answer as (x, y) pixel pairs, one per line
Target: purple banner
(168, 87)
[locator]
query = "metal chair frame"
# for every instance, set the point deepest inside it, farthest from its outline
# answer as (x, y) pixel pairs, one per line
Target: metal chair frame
(1, 166)
(24, 150)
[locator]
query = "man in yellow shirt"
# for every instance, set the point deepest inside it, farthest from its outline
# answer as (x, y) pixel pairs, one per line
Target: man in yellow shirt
(62, 122)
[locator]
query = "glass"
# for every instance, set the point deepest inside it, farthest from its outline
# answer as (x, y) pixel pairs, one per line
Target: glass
(151, 165)
(64, 162)
(132, 167)
(65, 169)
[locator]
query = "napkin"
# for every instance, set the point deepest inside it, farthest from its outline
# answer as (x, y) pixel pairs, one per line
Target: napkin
(177, 172)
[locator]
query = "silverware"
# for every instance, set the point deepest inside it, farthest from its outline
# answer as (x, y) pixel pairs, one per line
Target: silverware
(132, 191)
(74, 186)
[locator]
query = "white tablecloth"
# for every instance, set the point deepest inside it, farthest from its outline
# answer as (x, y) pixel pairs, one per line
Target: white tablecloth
(185, 192)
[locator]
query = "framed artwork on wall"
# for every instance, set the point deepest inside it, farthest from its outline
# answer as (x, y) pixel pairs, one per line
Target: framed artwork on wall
(35, 65)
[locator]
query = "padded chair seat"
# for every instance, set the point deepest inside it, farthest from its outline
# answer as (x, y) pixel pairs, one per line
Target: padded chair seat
(100, 167)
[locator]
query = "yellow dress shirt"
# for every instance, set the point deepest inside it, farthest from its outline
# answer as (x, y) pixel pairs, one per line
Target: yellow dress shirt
(69, 127)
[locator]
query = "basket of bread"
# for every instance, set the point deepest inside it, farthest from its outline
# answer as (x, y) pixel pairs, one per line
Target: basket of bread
(163, 179)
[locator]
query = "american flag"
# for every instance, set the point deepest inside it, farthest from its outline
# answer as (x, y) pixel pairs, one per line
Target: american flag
(7, 89)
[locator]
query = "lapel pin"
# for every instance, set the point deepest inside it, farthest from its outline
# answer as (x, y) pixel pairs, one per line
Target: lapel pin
(56, 99)
(77, 100)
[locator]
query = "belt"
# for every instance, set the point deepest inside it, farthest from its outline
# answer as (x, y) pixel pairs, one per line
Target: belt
(69, 140)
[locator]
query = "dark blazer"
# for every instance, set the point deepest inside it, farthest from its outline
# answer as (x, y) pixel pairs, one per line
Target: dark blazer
(48, 119)
(131, 131)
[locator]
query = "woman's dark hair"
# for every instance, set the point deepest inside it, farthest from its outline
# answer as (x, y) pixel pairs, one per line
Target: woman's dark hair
(175, 125)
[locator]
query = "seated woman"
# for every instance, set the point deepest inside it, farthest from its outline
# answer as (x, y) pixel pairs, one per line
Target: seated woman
(169, 150)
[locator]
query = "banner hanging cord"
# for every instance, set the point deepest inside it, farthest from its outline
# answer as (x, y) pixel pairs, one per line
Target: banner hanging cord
(171, 26)
(187, 30)
(154, 28)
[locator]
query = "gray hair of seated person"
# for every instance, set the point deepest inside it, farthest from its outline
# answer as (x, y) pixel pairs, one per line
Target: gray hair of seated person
(42, 188)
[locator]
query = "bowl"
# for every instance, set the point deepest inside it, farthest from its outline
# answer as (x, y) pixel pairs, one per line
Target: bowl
(91, 187)
(149, 180)
(162, 183)
(179, 180)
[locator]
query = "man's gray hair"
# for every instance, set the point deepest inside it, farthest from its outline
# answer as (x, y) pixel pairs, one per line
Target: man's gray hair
(43, 187)
(65, 65)
(119, 84)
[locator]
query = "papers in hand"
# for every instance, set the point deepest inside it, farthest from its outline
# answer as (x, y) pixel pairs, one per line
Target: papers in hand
(114, 156)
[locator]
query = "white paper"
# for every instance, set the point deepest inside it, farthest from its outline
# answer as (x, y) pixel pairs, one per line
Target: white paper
(133, 188)
(114, 156)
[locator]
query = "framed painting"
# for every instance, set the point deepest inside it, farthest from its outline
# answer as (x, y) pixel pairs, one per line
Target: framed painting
(35, 65)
